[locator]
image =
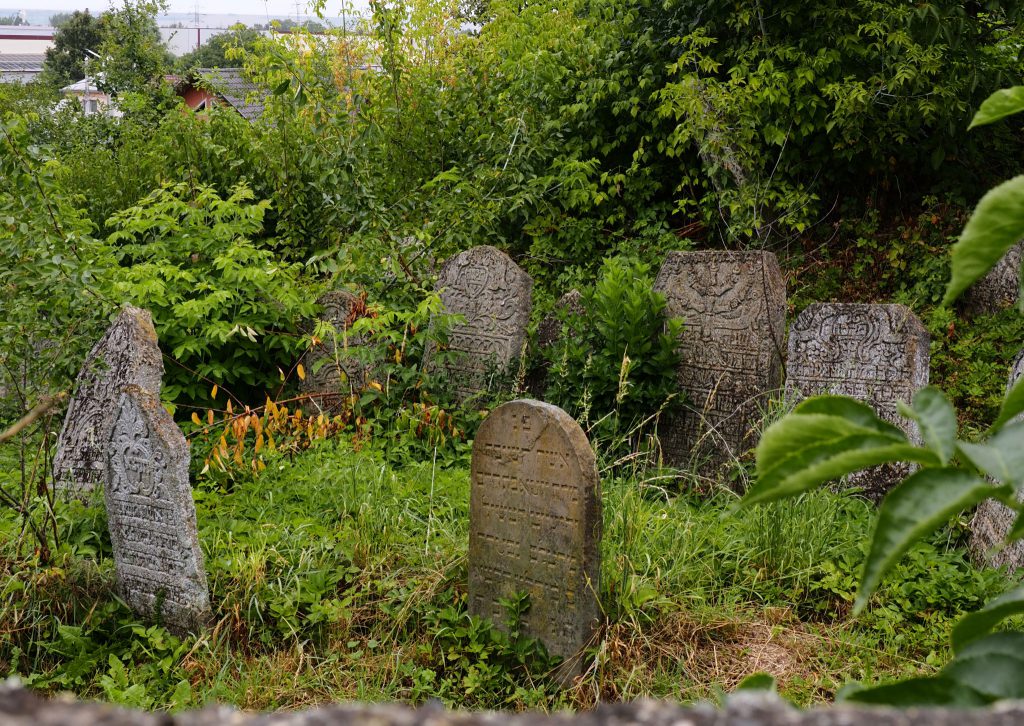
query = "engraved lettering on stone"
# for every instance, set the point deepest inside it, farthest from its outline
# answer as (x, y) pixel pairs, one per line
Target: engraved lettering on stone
(535, 525)
(495, 296)
(878, 354)
(127, 354)
(734, 308)
(151, 515)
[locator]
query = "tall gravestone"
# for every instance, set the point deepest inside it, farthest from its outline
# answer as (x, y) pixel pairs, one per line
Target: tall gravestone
(993, 520)
(535, 525)
(999, 288)
(734, 309)
(332, 371)
(151, 515)
(878, 354)
(127, 354)
(494, 295)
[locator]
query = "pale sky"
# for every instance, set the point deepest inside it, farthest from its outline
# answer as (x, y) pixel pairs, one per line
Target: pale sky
(274, 8)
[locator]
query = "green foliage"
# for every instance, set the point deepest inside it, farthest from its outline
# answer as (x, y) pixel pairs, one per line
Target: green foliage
(228, 312)
(620, 355)
(214, 53)
(65, 61)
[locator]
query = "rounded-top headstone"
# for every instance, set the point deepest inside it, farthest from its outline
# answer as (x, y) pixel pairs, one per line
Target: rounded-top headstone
(495, 296)
(151, 515)
(127, 354)
(535, 525)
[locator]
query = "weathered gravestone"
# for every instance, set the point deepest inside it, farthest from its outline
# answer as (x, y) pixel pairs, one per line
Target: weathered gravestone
(993, 520)
(495, 296)
(999, 288)
(734, 309)
(877, 354)
(550, 333)
(151, 515)
(535, 525)
(332, 371)
(127, 354)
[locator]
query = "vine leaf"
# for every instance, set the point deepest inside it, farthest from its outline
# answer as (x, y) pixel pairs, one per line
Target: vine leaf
(937, 420)
(979, 623)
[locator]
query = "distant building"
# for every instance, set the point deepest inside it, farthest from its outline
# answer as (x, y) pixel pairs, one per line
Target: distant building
(91, 98)
(20, 67)
(25, 39)
(206, 87)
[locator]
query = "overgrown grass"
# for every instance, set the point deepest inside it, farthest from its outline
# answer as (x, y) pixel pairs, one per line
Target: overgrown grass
(336, 576)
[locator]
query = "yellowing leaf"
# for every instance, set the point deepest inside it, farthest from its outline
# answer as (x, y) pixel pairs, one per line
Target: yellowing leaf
(196, 420)
(301, 371)
(213, 391)
(209, 417)
(375, 386)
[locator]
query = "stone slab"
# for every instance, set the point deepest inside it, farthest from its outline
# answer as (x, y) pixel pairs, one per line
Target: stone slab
(332, 372)
(535, 525)
(992, 520)
(878, 354)
(550, 333)
(127, 354)
(151, 515)
(734, 309)
(495, 296)
(1000, 288)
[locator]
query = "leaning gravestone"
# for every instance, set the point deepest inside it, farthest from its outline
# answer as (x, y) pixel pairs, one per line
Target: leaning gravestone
(734, 309)
(993, 520)
(127, 354)
(494, 295)
(535, 526)
(151, 515)
(877, 354)
(332, 372)
(999, 288)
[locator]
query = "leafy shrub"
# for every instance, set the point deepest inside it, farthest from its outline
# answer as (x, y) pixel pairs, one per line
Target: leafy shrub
(226, 310)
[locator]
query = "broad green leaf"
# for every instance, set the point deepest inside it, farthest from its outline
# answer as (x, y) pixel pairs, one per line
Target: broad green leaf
(1013, 404)
(922, 502)
(936, 691)
(993, 666)
(979, 623)
(997, 223)
(1017, 530)
(1004, 102)
(936, 419)
(811, 466)
(758, 682)
(1002, 456)
(854, 411)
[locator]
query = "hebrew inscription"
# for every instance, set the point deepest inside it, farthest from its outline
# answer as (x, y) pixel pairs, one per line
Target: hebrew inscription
(878, 354)
(495, 296)
(333, 367)
(127, 354)
(734, 308)
(151, 515)
(993, 520)
(535, 525)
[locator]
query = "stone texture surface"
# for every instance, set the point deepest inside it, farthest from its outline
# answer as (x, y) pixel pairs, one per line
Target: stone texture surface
(151, 515)
(19, 707)
(734, 308)
(998, 289)
(878, 354)
(331, 369)
(535, 525)
(495, 296)
(992, 520)
(549, 333)
(127, 354)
